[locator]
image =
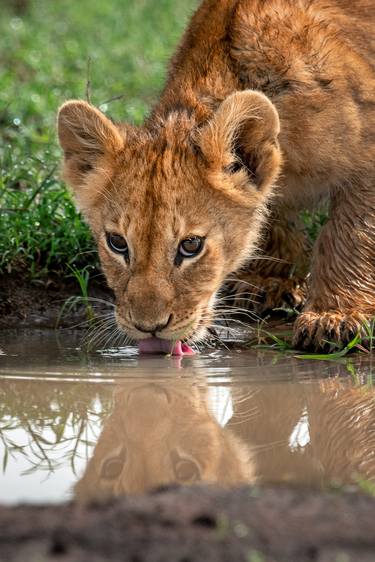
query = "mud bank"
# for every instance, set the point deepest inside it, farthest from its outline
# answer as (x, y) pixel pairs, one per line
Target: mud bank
(196, 524)
(25, 303)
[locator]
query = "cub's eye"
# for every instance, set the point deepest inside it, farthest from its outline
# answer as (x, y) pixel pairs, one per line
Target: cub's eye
(112, 468)
(187, 471)
(117, 244)
(191, 246)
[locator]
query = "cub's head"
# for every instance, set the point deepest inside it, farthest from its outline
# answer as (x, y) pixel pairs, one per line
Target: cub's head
(159, 434)
(174, 207)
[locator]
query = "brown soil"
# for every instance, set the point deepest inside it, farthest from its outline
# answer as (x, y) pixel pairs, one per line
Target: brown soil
(196, 524)
(25, 303)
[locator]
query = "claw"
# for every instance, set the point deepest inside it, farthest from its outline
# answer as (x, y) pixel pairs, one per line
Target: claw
(314, 332)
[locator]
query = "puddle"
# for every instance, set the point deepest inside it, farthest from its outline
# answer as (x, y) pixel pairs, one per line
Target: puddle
(92, 425)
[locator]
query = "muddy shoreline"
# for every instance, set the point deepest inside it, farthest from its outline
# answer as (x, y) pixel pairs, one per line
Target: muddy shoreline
(196, 524)
(26, 304)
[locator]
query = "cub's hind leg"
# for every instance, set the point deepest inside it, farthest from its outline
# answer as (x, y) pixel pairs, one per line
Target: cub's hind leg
(276, 277)
(341, 300)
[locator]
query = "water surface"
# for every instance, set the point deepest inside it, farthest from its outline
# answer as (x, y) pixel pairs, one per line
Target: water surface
(88, 425)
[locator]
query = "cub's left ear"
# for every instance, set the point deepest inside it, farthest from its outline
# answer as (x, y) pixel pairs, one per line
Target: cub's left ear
(241, 141)
(90, 142)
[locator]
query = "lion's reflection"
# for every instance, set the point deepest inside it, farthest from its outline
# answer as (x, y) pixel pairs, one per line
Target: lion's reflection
(159, 434)
(317, 433)
(162, 433)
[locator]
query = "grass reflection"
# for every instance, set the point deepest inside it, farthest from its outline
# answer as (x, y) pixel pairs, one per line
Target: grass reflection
(50, 424)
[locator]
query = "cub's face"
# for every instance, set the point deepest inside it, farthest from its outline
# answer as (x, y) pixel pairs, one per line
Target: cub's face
(158, 434)
(174, 208)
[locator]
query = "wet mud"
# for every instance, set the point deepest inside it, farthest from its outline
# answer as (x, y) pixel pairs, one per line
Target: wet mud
(196, 524)
(27, 303)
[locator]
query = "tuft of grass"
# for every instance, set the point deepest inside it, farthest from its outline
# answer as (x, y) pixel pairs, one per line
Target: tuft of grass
(281, 342)
(83, 277)
(272, 340)
(114, 51)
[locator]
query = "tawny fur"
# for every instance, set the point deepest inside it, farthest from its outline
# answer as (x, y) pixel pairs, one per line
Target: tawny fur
(160, 434)
(319, 433)
(206, 162)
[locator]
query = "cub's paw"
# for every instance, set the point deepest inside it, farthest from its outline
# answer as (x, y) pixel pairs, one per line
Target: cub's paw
(264, 294)
(325, 331)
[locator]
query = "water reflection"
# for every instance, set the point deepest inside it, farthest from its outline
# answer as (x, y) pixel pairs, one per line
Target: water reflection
(324, 431)
(314, 434)
(227, 418)
(163, 433)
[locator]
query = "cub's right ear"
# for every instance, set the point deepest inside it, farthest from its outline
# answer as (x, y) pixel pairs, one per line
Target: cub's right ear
(240, 142)
(90, 142)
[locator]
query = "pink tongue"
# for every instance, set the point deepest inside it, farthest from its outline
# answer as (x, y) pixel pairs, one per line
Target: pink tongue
(157, 345)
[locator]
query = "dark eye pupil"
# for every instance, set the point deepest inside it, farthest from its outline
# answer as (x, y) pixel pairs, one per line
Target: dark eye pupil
(117, 243)
(191, 246)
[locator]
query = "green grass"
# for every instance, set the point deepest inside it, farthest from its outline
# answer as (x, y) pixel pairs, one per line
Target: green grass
(82, 276)
(45, 56)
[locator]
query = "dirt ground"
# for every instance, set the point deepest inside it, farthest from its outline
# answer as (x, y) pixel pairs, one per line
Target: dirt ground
(196, 524)
(27, 304)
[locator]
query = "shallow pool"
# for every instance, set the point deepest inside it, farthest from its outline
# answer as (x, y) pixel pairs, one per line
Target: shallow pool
(94, 424)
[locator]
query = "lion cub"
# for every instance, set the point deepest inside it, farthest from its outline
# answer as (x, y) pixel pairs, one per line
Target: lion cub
(178, 204)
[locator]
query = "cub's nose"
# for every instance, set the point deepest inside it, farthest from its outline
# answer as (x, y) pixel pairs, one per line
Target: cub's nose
(152, 329)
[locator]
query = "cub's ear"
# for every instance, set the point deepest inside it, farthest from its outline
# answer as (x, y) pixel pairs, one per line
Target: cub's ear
(90, 142)
(241, 141)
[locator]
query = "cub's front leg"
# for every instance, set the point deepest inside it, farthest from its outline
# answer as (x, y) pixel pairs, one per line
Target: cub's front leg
(276, 278)
(341, 298)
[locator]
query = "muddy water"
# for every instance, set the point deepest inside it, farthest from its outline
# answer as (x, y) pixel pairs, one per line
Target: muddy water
(106, 422)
